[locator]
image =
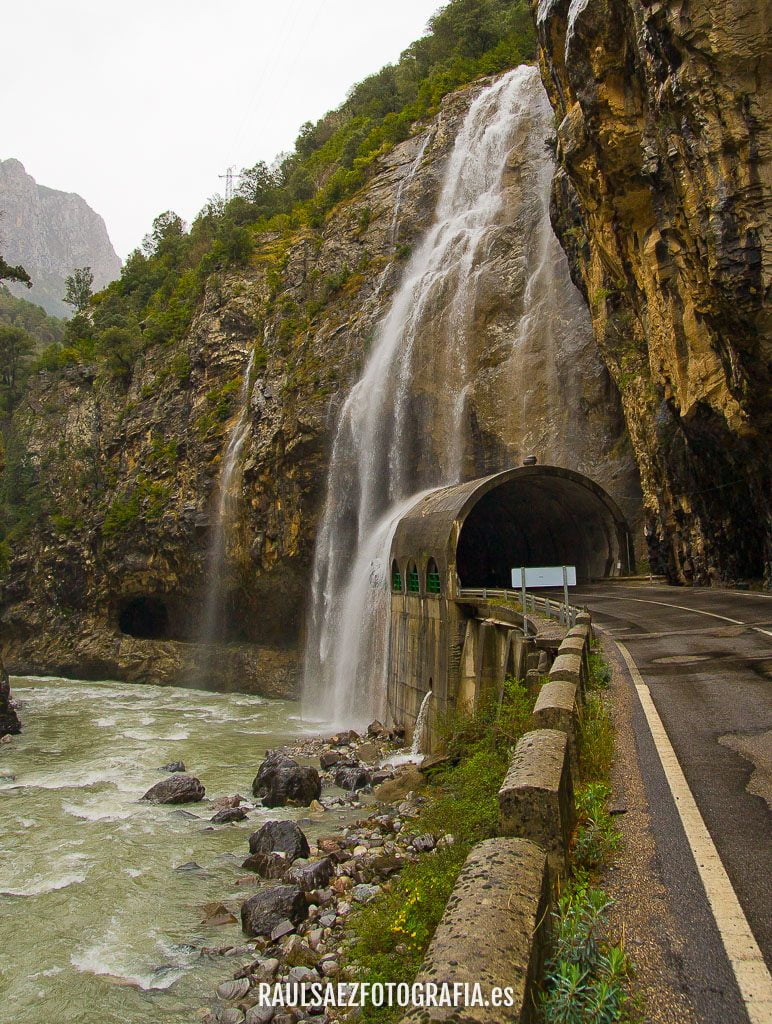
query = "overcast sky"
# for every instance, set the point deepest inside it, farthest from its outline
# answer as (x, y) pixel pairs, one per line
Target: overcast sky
(139, 105)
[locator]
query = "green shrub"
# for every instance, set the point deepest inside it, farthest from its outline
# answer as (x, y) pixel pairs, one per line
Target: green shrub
(597, 836)
(585, 977)
(121, 515)
(600, 672)
(62, 523)
(221, 399)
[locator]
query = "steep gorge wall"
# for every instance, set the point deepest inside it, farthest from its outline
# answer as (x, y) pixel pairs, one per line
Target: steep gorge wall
(125, 479)
(662, 205)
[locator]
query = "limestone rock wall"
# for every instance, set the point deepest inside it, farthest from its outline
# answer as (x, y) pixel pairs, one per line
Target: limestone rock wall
(662, 205)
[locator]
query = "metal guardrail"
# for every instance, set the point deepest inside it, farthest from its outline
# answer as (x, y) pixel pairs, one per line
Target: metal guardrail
(565, 614)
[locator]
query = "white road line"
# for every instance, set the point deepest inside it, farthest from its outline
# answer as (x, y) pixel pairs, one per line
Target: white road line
(696, 611)
(750, 970)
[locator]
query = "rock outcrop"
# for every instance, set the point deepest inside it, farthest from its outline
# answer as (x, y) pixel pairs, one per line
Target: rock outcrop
(662, 205)
(110, 579)
(50, 233)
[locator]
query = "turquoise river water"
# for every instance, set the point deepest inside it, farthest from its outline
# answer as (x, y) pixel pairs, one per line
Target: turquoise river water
(97, 925)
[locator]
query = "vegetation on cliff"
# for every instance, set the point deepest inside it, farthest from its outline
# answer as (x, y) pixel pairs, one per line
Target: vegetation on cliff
(162, 281)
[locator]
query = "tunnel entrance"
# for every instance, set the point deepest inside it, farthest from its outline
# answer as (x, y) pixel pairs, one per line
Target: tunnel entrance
(144, 617)
(538, 519)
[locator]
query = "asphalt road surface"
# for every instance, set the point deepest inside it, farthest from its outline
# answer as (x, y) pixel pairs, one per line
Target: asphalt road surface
(706, 657)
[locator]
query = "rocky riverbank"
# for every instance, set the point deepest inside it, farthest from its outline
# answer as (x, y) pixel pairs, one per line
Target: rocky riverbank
(9, 718)
(295, 921)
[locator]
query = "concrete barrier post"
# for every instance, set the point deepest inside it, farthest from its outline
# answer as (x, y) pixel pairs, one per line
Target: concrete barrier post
(494, 931)
(557, 708)
(569, 668)
(536, 800)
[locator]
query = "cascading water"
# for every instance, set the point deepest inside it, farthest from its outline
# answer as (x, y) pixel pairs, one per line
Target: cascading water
(421, 724)
(213, 618)
(408, 424)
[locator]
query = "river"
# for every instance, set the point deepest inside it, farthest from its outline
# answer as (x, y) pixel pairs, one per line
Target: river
(97, 924)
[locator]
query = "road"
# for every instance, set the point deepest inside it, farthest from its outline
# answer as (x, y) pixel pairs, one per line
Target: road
(706, 658)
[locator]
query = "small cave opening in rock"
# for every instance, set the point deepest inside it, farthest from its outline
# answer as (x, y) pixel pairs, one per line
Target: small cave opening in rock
(145, 617)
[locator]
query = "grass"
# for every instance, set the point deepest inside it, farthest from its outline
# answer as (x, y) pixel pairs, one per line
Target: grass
(391, 934)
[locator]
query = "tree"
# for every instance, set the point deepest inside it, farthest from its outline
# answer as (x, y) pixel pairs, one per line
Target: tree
(78, 288)
(167, 228)
(16, 346)
(9, 273)
(257, 184)
(119, 348)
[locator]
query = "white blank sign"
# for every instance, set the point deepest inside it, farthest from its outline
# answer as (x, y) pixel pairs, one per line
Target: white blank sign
(544, 576)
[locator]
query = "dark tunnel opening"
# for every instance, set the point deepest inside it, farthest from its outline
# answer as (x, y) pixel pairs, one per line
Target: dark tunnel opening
(144, 617)
(539, 521)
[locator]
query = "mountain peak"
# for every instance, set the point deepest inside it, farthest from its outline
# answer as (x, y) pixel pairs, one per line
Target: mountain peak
(50, 233)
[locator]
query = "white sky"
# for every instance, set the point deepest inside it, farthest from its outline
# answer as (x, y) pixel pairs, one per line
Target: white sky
(138, 106)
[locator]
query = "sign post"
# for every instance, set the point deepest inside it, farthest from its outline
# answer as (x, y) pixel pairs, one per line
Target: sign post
(544, 576)
(565, 591)
(522, 598)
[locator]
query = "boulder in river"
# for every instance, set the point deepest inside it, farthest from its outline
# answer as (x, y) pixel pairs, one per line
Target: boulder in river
(214, 914)
(280, 837)
(173, 766)
(345, 739)
(274, 761)
(227, 815)
(330, 758)
(267, 865)
(295, 785)
(179, 789)
(353, 778)
(262, 912)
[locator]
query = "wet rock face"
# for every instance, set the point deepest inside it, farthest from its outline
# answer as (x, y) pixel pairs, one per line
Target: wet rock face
(113, 584)
(663, 120)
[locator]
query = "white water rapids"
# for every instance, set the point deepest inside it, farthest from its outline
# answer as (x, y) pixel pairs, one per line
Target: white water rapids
(407, 424)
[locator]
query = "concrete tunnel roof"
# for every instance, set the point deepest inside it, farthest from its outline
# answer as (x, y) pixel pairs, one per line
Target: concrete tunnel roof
(533, 512)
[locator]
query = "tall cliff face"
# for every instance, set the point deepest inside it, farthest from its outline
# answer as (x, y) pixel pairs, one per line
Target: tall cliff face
(661, 203)
(109, 580)
(50, 233)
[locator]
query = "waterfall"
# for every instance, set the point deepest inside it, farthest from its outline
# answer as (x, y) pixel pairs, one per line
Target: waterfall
(213, 617)
(407, 424)
(421, 724)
